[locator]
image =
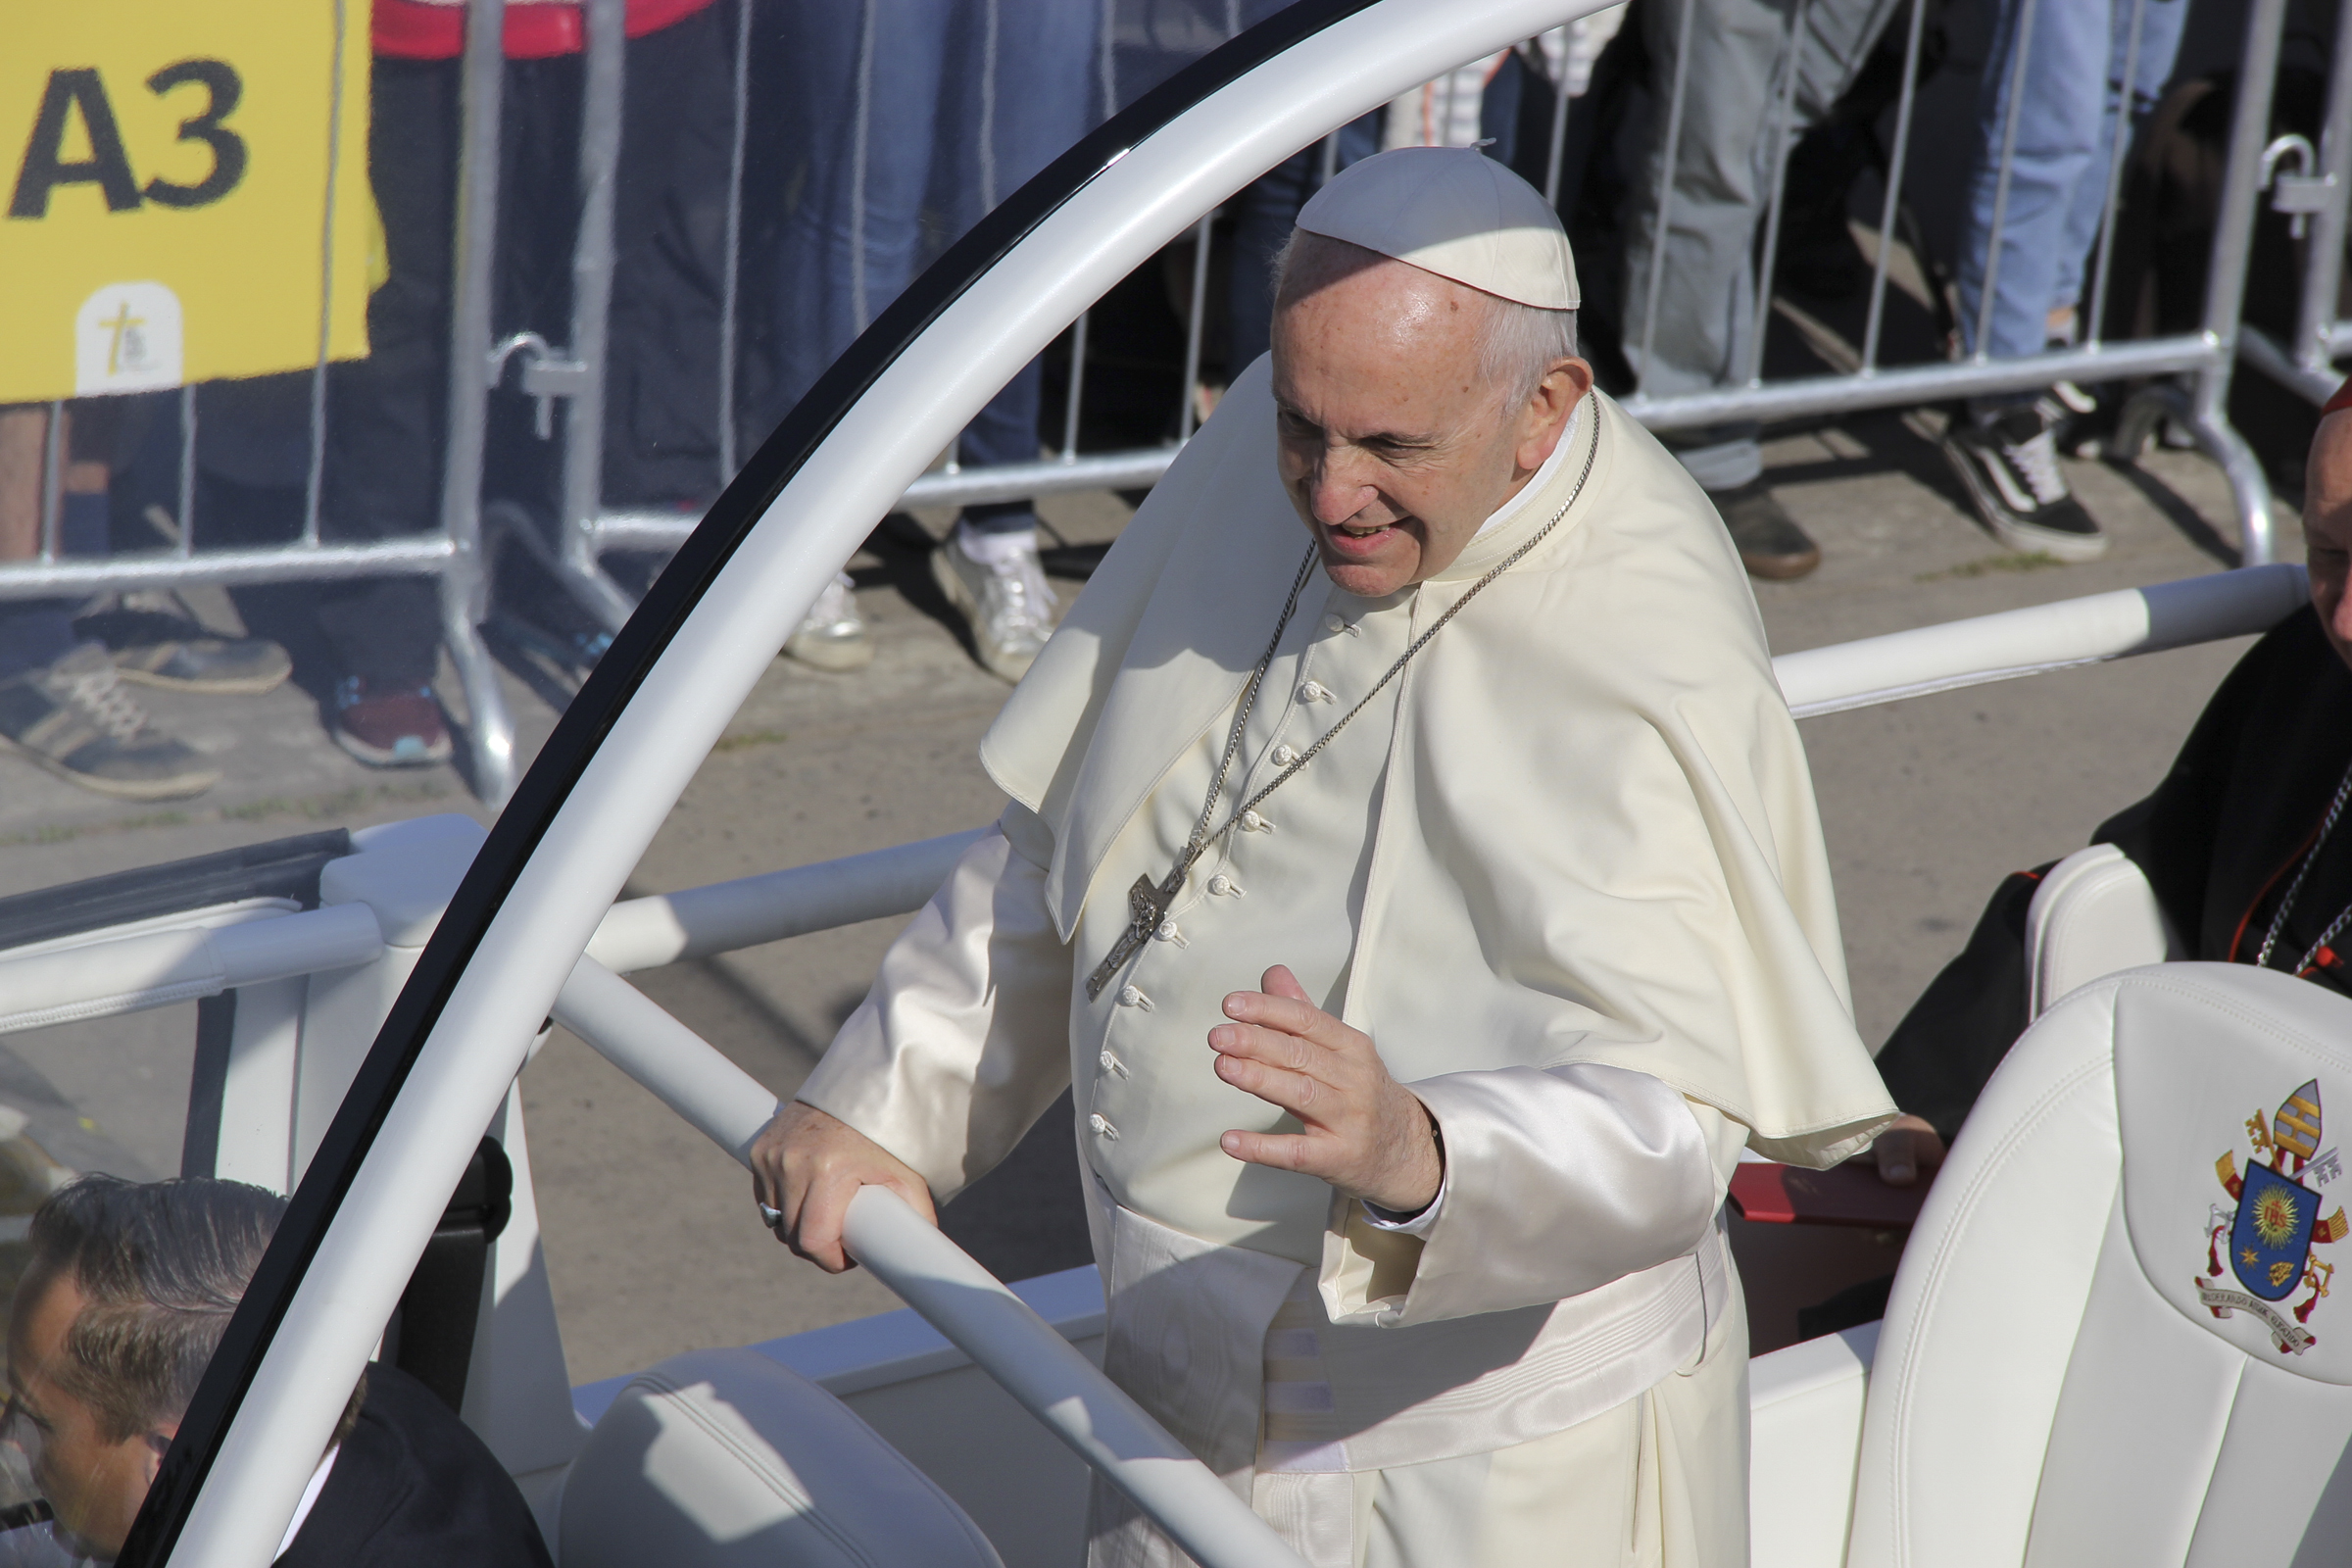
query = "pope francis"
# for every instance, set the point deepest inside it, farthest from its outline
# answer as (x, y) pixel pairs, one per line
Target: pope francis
(1427, 695)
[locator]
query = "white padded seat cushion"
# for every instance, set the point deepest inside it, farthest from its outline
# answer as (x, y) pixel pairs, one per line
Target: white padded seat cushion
(726, 1459)
(2049, 1386)
(2092, 916)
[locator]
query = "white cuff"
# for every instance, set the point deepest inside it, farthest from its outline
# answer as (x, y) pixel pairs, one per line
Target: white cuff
(1387, 1219)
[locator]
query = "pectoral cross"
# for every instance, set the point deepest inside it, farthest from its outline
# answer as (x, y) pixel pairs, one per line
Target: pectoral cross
(1149, 905)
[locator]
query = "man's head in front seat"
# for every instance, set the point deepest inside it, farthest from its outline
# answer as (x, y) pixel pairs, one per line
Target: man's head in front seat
(130, 1289)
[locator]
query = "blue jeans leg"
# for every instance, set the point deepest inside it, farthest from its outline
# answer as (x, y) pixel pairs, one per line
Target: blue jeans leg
(861, 80)
(2056, 148)
(997, 131)
(2160, 25)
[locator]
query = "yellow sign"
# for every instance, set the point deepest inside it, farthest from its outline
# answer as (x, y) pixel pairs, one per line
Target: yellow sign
(187, 192)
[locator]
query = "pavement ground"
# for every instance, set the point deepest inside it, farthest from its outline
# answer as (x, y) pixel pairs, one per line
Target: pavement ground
(651, 1238)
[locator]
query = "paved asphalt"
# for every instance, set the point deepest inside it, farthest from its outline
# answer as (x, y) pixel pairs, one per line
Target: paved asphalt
(651, 1239)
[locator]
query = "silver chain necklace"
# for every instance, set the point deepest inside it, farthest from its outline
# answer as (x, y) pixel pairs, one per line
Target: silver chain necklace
(1149, 905)
(2336, 808)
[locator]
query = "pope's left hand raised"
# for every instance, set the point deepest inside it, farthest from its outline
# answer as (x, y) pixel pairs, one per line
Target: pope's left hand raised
(1363, 1132)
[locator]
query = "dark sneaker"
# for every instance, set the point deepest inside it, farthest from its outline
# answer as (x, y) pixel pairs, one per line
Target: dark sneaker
(1769, 541)
(398, 727)
(2010, 468)
(74, 718)
(156, 641)
(2076, 416)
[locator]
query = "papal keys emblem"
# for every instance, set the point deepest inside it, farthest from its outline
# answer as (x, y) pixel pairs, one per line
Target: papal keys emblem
(2266, 1241)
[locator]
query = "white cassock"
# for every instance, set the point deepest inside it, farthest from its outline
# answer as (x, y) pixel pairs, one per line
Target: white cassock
(1566, 871)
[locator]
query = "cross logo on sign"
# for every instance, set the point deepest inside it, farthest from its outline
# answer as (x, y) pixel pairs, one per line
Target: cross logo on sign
(127, 339)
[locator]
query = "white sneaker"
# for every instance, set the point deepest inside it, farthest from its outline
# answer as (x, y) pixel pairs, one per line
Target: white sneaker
(833, 635)
(1004, 601)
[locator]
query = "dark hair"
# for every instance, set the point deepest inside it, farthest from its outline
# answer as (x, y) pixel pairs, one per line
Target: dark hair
(160, 1266)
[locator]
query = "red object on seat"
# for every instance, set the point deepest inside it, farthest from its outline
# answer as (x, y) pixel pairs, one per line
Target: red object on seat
(1843, 1195)
(2341, 400)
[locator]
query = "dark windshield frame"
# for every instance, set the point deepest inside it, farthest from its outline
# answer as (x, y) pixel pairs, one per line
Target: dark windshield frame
(582, 728)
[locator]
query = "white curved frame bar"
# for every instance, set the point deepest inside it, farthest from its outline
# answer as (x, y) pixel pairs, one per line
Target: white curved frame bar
(1141, 201)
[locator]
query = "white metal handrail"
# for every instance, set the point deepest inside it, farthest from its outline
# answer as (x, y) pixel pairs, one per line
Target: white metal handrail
(1041, 1371)
(2041, 638)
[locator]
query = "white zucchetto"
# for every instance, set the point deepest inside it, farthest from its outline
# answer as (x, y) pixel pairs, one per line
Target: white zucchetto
(1454, 211)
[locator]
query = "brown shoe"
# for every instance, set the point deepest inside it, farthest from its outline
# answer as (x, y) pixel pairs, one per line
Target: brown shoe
(399, 726)
(1770, 543)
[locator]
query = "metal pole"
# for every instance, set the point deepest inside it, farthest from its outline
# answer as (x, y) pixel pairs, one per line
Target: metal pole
(731, 277)
(1665, 207)
(1077, 388)
(1760, 318)
(1192, 333)
(990, 26)
(490, 732)
(314, 482)
(2226, 283)
(53, 480)
(601, 110)
(1560, 122)
(1897, 163)
(187, 470)
(2000, 190)
(2324, 263)
(2087, 327)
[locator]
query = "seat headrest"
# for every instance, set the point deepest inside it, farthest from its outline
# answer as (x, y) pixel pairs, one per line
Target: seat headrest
(726, 1459)
(2233, 1186)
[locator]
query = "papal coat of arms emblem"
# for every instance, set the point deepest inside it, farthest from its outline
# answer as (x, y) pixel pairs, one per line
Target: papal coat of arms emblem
(2266, 1239)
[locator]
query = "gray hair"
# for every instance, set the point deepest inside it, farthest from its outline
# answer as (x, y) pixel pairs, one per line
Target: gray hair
(1519, 346)
(160, 1266)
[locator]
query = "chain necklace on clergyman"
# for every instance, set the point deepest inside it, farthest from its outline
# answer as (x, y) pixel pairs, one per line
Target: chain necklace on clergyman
(1149, 905)
(2286, 905)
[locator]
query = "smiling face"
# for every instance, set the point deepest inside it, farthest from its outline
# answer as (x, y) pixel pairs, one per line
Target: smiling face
(93, 1479)
(2327, 528)
(1396, 443)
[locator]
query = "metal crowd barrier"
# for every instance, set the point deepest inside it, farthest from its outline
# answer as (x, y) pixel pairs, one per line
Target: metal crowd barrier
(2195, 367)
(2189, 373)
(2316, 193)
(448, 553)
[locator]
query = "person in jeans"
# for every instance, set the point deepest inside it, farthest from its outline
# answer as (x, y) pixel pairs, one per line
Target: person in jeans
(904, 122)
(2004, 446)
(1707, 311)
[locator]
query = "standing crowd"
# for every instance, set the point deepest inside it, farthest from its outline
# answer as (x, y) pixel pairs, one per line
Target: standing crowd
(877, 132)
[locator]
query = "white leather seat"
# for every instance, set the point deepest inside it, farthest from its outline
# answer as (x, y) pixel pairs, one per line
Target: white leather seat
(726, 1459)
(2075, 1368)
(2092, 916)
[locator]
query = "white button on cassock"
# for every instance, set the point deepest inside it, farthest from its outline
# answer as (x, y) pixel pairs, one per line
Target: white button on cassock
(1224, 887)
(1103, 1127)
(1284, 755)
(1112, 1064)
(1315, 690)
(1252, 823)
(1340, 623)
(1129, 997)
